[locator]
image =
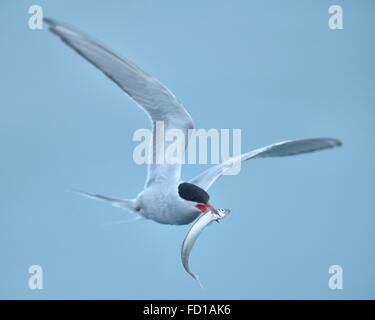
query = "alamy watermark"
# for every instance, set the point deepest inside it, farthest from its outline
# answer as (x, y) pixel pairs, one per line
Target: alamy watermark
(336, 280)
(35, 21)
(36, 279)
(336, 20)
(193, 146)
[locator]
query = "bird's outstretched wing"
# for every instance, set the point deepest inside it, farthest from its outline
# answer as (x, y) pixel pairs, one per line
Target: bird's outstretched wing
(280, 149)
(149, 94)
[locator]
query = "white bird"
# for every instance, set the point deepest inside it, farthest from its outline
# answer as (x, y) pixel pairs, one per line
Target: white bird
(166, 198)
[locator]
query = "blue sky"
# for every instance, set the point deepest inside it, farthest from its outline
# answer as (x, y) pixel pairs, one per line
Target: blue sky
(273, 69)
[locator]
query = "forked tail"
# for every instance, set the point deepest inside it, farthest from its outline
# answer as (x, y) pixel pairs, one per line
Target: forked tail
(128, 204)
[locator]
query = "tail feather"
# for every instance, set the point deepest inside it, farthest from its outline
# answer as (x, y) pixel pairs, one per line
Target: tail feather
(119, 203)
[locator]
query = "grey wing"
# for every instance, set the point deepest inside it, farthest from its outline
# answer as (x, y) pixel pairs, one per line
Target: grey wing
(149, 94)
(280, 149)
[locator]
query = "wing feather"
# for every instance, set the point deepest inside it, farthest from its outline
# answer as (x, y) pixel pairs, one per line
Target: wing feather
(280, 149)
(159, 103)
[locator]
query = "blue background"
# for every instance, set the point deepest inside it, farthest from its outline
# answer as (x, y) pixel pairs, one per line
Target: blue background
(272, 68)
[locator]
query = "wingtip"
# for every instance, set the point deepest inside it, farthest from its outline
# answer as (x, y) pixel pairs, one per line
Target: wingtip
(74, 190)
(330, 142)
(336, 142)
(54, 24)
(81, 193)
(50, 22)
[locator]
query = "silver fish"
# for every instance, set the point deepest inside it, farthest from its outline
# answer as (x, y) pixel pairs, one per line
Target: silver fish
(189, 241)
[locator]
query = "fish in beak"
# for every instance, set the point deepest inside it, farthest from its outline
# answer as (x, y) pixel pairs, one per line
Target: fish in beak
(197, 228)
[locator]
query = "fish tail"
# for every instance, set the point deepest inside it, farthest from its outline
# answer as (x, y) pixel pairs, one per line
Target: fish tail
(196, 277)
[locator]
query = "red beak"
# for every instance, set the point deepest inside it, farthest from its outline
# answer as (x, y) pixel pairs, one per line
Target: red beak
(204, 207)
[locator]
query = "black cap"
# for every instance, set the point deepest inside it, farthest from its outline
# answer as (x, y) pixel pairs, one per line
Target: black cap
(191, 192)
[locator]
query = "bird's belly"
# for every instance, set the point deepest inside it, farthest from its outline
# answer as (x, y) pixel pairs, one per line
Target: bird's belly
(169, 216)
(162, 204)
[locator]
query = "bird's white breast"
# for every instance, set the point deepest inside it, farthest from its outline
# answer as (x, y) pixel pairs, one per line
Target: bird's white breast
(161, 203)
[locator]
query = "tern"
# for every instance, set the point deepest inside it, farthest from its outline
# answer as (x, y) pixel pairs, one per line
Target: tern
(166, 198)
